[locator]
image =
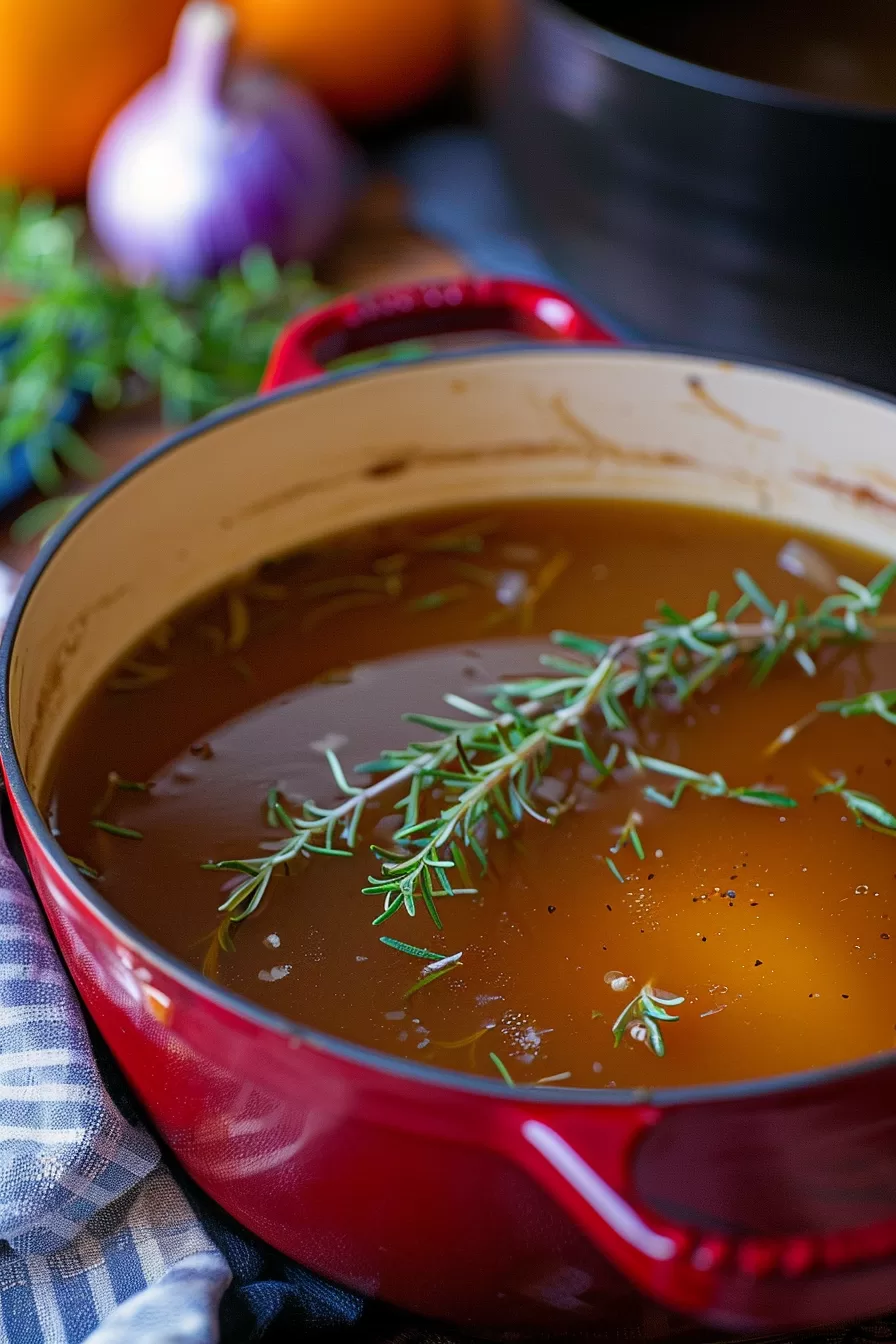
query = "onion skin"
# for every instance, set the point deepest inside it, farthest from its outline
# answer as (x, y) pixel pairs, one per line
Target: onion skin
(206, 160)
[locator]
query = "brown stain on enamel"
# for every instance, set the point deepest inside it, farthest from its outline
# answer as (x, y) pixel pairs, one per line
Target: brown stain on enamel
(857, 492)
(53, 680)
(600, 447)
(704, 397)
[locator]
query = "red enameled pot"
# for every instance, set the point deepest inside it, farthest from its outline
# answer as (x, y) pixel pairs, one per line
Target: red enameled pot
(751, 1207)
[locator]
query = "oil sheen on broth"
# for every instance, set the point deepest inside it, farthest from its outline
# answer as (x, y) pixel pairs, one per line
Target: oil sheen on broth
(774, 925)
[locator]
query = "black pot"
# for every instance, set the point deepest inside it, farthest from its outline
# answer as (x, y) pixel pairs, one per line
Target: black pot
(697, 207)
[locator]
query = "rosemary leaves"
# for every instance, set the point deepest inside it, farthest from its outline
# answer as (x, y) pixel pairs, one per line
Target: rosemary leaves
(486, 766)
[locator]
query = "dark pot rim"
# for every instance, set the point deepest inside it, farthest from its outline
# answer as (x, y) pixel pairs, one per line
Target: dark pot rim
(377, 1061)
(652, 61)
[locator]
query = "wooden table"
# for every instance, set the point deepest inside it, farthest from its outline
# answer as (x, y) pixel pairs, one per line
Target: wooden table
(377, 248)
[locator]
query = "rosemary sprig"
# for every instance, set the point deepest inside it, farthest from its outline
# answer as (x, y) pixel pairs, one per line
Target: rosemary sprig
(489, 763)
(872, 702)
(867, 810)
(712, 785)
(644, 1015)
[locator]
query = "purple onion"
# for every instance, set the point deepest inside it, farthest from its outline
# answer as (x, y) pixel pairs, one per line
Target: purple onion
(206, 160)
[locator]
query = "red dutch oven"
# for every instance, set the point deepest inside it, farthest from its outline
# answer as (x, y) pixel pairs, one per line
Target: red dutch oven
(752, 1207)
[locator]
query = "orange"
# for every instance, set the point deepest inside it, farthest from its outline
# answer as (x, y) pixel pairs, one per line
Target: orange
(66, 66)
(365, 59)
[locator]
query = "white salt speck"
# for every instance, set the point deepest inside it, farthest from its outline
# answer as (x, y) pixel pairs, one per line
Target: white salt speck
(421, 1045)
(658, 853)
(598, 1068)
(397, 1015)
(862, 889)
(618, 982)
(275, 973)
(360, 958)
(402, 1035)
(782, 818)
(511, 587)
(272, 940)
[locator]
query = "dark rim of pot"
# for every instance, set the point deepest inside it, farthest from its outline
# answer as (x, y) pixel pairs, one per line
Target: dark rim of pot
(652, 61)
(377, 1061)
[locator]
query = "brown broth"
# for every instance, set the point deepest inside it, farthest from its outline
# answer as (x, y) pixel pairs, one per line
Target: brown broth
(775, 926)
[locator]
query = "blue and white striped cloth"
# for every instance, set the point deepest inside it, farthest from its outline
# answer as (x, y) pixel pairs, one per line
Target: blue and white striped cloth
(99, 1243)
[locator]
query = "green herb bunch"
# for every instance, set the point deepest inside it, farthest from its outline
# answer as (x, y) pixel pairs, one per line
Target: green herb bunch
(69, 324)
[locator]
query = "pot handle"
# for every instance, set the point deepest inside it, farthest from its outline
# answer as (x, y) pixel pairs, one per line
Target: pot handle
(360, 322)
(586, 1165)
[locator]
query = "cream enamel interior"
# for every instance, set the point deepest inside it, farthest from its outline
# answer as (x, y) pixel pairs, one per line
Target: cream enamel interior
(462, 430)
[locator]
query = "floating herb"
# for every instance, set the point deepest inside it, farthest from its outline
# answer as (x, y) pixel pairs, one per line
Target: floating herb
(239, 620)
(412, 951)
(546, 577)
(83, 868)
(644, 1014)
(336, 606)
(502, 1068)
(629, 835)
(465, 537)
(127, 832)
(114, 782)
(473, 1037)
(488, 764)
(712, 785)
(440, 598)
(135, 675)
(872, 702)
(864, 807)
(428, 979)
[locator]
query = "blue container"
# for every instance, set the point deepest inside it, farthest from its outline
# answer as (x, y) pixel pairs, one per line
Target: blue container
(15, 473)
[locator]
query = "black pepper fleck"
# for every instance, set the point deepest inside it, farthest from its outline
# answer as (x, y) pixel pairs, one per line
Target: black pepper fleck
(551, 909)
(703, 940)
(886, 937)
(610, 908)
(844, 996)
(757, 963)
(731, 895)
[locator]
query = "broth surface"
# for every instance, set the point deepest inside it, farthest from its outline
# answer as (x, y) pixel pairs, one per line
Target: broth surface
(775, 926)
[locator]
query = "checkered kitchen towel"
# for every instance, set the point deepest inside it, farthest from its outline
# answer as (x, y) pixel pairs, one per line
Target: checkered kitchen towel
(98, 1241)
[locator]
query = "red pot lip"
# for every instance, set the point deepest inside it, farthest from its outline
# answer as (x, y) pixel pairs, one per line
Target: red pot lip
(376, 1061)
